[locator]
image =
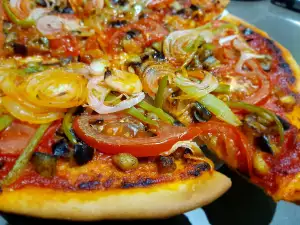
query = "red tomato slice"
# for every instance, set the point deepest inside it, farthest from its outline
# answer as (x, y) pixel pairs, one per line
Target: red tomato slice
(48, 140)
(16, 137)
(165, 138)
(235, 148)
(150, 29)
(232, 145)
(66, 45)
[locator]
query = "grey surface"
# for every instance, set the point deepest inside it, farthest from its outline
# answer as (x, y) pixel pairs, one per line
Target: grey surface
(284, 26)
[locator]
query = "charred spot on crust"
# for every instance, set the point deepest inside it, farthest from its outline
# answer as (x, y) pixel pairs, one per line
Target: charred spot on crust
(108, 183)
(166, 164)
(282, 63)
(199, 168)
(276, 51)
(141, 183)
(90, 185)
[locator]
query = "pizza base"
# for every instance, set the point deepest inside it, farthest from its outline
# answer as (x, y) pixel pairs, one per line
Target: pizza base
(157, 201)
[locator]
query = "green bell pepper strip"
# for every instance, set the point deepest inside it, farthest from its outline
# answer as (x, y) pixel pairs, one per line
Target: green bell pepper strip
(265, 113)
(25, 157)
(159, 112)
(159, 98)
(23, 23)
(133, 111)
(67, 125)
(223, 88)
(220, 109)
(137, 114)
(5, 121)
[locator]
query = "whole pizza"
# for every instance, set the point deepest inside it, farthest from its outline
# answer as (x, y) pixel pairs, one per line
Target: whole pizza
(111, 108)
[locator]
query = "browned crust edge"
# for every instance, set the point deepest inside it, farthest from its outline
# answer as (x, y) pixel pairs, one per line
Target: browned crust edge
(285, 53)
(157, 201)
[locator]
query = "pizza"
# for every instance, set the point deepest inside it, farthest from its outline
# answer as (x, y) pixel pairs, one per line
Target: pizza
(108, 108)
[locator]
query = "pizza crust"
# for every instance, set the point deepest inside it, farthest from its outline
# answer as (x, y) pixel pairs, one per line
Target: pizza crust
(157, 201)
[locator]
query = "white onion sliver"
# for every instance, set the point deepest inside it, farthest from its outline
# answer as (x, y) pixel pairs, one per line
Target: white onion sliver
(207, 35)
(193, 89)
(51, 24)
(38, 13)
(196, 150)
(97, 103)
(14, 3)
(97, 67)
(224, 40)
(244, 57)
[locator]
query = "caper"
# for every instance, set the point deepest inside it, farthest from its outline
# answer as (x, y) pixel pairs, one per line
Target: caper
(125, 161)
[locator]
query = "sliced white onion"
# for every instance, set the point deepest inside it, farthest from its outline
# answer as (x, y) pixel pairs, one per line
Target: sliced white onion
(124, 82)
(51, 24)
(196, 90)
(241, 45)
(97, 102)
(38, 13)
(224, 40)
(174, 46)
(244, 57)
(175, 43)
(80, 68)
(207, 35)
(98, 66)
(196, 150)
(15, 3)
(153, 73)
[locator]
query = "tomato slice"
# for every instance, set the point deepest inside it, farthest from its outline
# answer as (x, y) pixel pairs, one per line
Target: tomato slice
(166, 137)
(65, 45)
(232, 145)
(235, 148)
(48, 140)
(150, 30)
(16, 137)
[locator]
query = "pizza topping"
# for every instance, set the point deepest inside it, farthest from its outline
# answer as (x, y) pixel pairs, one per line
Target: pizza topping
(159, 97)
(61, 149)
(83, 153)
(195, 90)
(125, 161)
(44, 164)
(67, 126)
(98, 92)
(200, 113)
(55, 89)
(25, 157)
(262, 112)
(23, 23)
(5, 121)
